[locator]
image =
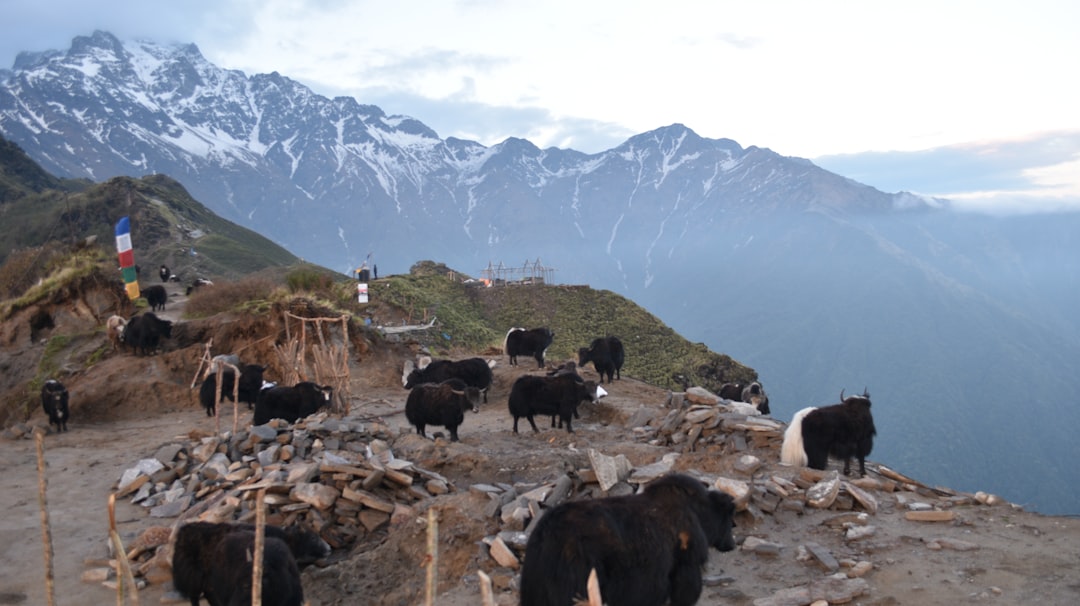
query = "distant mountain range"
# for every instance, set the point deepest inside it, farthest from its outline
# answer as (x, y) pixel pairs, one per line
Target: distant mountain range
(964, 328)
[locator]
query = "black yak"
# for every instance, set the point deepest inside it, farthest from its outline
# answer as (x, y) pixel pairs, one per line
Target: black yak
(647, 549)
(606, 354)
(54, 399)
(475, 372)
(559, 396)
(200, 563)
(143, 333)
(441, 404)
(533, 342)
(230, 583)
(251, 380)
(291, 403)
(842, 430)
(156, 297)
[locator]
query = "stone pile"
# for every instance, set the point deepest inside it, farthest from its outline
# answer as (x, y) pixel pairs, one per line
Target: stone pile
(697, 420)
(339, 477)
(749, 444)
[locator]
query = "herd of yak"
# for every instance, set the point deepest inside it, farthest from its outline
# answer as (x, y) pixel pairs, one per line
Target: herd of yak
(646, 549)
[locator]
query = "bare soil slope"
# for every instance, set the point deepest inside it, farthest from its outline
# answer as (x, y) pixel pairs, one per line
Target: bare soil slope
(125, 407)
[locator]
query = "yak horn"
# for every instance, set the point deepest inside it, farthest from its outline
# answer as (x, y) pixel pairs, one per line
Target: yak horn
(841, 395)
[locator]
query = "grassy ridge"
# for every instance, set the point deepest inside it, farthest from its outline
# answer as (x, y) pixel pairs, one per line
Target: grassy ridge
(166, 225)
(475, 318)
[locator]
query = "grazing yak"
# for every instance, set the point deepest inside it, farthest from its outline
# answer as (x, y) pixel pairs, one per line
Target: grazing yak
(54, 399)
(606, 354)
(475, 372)
(533, 342)
(200, 563)
(291, 403)
(144, 332)
(156, 296)
(164, 273)
(251, 381)
(842, 430)
(647, 549)
(441, 404)
(559, 396)
(755, 394)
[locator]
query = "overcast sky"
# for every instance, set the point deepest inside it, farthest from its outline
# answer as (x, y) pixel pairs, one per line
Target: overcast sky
(978, 101)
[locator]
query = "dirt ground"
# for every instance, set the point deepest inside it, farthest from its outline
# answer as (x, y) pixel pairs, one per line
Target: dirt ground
(1020, 557)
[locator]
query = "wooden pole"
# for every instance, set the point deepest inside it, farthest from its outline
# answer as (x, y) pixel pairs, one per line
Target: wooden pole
(124, 575)
(487, 598)
(217, 400)
(432, 557)
(260, 539)
(204, 360)
(593, 587)
(46, 532)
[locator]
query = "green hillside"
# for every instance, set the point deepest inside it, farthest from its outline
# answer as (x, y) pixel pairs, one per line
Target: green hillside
(472, 317)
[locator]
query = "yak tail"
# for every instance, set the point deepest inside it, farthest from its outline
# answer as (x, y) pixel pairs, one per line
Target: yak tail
(792, 451)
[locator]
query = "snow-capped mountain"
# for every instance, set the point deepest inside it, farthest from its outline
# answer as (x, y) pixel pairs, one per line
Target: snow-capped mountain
(820, 283)
(332, 179)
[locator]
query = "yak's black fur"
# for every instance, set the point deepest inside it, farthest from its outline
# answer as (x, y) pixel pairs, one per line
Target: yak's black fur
(197, 553)
(606, 354)
(230, 583)
(558, 395)
(155, 296)
(474, 372)
(251, 379)
(731, 391)
(441, 404)
(647, 549)
(54, 399)
(533, 342)
(144, 332)
(291, 403)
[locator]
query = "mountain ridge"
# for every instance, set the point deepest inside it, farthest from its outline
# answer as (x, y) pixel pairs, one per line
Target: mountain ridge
(824, 282)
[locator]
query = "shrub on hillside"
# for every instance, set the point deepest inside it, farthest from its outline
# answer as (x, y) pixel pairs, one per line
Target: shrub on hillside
(24, 268)
(228, 296)
(306, 279)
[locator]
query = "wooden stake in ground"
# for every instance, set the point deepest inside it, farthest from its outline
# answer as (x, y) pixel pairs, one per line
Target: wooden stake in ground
(235, 396)
(204, 361)
(124, 576)
(486, 596)
(260, 539)
(432, 559)
(46, 532)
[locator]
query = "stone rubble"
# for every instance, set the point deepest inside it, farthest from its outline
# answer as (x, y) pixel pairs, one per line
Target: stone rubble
(338, 477)
(700, 422)
(342, 479)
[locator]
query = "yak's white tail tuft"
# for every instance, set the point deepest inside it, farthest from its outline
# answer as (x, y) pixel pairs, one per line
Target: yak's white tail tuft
(792, 451)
